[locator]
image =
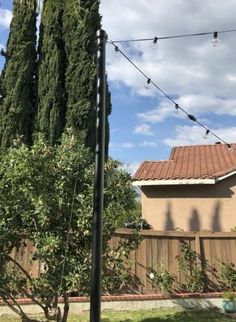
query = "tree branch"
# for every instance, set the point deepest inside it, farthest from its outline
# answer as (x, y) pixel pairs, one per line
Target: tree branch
(32, 297)
(11, 306)
(20, 267)
(20, 312)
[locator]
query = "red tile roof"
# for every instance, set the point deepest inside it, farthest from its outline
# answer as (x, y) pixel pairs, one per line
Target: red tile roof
(191, 162)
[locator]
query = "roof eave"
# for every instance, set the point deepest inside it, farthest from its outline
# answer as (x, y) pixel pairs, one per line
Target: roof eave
(226, 176)
(172, 182)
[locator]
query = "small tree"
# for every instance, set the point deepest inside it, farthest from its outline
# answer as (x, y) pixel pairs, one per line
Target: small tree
(46, 197)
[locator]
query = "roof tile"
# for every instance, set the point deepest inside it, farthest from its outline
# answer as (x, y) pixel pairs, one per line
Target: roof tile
(191, 162)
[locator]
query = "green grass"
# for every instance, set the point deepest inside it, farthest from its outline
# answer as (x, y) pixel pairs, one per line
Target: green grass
(157, 315)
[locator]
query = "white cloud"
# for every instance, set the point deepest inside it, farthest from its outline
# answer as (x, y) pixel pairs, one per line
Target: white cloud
(127, 145)
(144, 129)
(194, 104)
(131, 167)
(181, 67)
(5, 18)
(130, 145)
(148, 144)
(208, 104)
(158, 114)
(232, 78)
(114, 130)
(121, 146)
(191, 135)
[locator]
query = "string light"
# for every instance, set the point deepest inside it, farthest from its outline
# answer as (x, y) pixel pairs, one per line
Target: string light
(205, 136)
(229, 146)
(116, 51)
(148, 84)
(215, 39)
(2, 52)
(176, 36)
(177, 106)
(192, 118)
(154, 43)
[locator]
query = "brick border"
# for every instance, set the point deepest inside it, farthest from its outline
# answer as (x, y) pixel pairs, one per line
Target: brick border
(132, 297)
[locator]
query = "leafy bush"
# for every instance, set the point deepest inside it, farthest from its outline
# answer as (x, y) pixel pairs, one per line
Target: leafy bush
(138, 224)
(46, 197)
(229, 296)
(195, 277)
(163, 280)
(227, 272)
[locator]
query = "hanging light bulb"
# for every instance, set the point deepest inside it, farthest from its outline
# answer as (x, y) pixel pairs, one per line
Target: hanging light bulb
(205, 136)
(176, 108)
(154, 43)
(215, 39)
(230, 148)
(148, 84)
(116, 51)
(2, 52)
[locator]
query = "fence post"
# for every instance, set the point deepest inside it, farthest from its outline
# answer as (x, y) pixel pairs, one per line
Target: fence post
(198, 246)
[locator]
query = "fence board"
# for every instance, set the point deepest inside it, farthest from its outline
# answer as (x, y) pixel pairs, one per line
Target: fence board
(160, 248)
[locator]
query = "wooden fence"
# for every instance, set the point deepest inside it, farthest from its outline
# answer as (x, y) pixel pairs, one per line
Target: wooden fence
(161, 248)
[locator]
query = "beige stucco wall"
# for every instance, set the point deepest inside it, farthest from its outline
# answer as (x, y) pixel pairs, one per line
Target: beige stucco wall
(191, 207)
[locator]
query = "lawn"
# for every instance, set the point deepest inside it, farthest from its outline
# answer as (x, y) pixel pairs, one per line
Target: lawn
(158, 315)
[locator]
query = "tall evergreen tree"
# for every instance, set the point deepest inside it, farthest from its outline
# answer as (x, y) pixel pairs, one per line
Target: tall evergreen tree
(17, 78)
(81, 22)
(50, 117)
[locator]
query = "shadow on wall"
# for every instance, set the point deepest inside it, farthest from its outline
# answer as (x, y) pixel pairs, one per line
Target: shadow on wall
(194, 221)
(169, 224)
(215, 224)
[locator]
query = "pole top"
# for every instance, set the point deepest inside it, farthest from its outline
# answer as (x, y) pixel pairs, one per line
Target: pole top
(101, 34)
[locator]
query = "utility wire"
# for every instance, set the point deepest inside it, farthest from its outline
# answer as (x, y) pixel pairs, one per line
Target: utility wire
(174, 36)
(68, 230)
(177, 106)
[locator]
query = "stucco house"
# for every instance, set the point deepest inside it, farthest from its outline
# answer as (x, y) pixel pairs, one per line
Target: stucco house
(194, 190)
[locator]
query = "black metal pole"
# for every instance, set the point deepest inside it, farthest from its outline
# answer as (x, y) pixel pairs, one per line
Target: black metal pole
(95, 298)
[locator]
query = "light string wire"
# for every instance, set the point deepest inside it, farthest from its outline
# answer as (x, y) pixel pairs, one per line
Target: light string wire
(155, 38)
(177, 106)
(68, 230)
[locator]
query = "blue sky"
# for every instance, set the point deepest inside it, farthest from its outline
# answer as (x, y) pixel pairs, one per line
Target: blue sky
(200, 77)
(5, 19)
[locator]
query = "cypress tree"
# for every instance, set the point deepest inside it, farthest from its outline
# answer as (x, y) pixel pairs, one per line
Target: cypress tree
(50, 84)
(81, 22)
(17, 78)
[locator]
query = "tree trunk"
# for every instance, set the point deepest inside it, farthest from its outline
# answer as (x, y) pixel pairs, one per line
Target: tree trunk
(66, 307)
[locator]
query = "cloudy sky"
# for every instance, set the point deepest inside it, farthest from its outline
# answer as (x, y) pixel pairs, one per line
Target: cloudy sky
(199, 77)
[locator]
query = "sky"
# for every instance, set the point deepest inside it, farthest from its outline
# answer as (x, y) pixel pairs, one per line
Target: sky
(199, 77)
